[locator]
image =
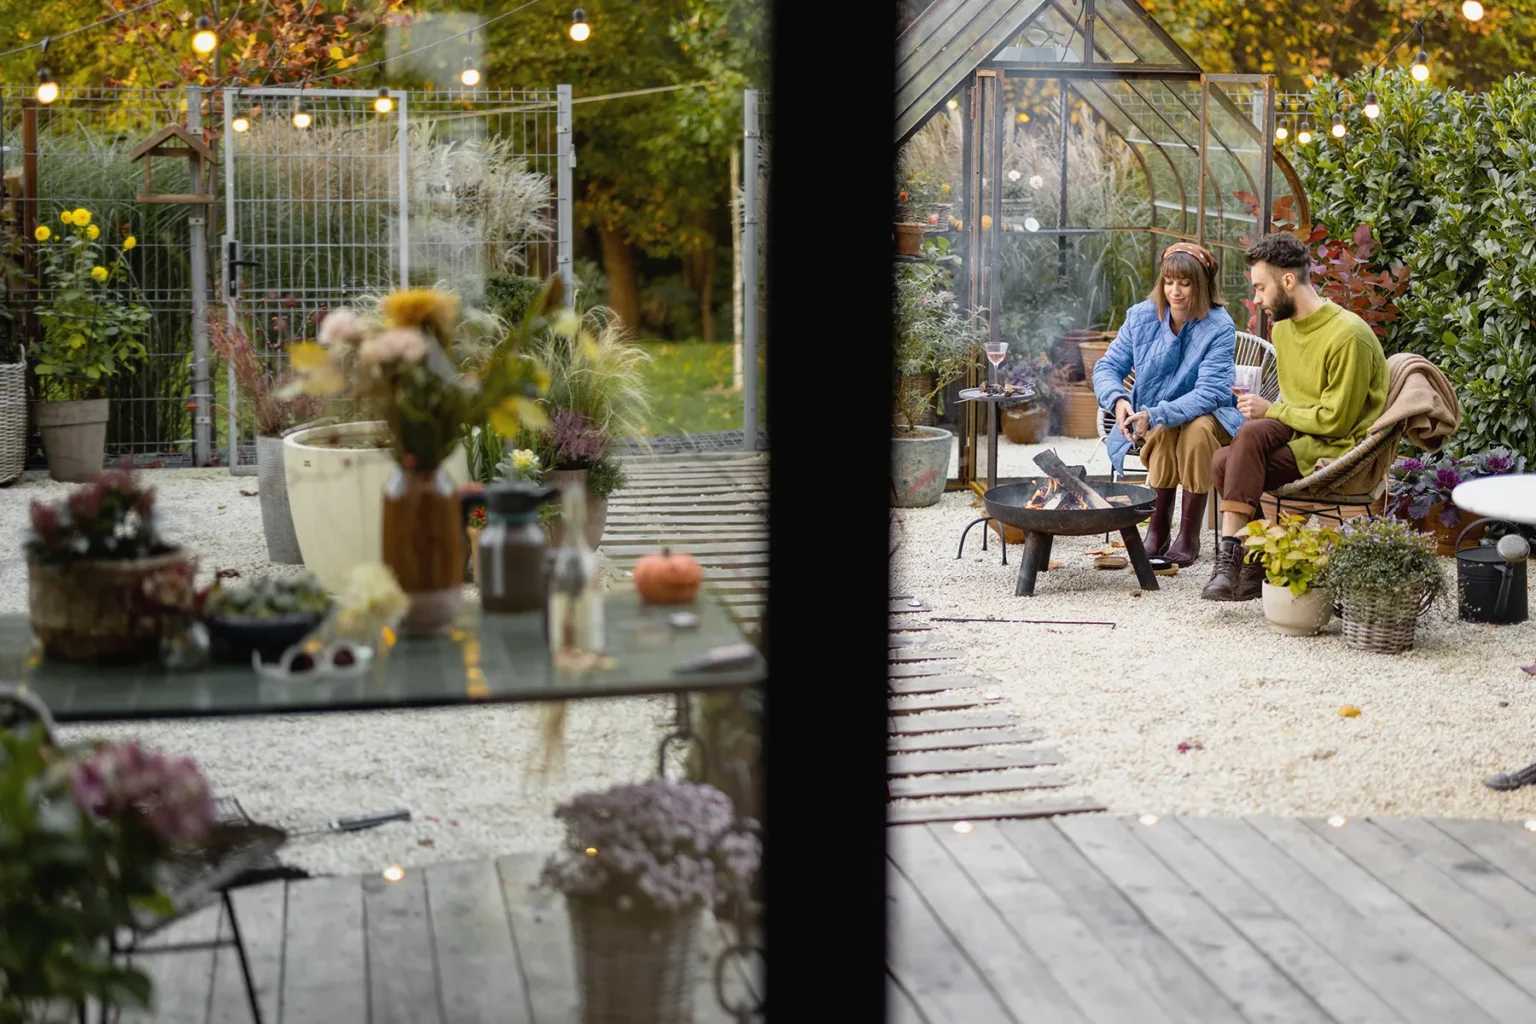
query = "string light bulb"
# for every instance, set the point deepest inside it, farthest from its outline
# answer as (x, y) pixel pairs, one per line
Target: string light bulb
(1282, 133)
(1338, 128)
(1420, 69)
(470, 76)
(1472, 10)
(205, 40)
(580, 30)
(47, 88)
(301, 118)
(240, 123)
(383, 103)
(1372, 106)
(1304, 135)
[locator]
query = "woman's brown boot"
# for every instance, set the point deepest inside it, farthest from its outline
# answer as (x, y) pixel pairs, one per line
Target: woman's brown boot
(1186, 548)
(1156, 540)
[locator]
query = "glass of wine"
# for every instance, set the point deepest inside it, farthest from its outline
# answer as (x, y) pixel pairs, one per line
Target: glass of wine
(996, 351)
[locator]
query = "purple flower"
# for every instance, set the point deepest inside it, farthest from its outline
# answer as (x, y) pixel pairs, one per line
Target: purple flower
(577, 443)
(171, 799)
(1447, 479)
(1410, 465)
(1498, 464)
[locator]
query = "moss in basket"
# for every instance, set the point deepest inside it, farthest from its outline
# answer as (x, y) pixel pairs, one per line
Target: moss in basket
(269, 597)
(1384, 556)
(1293, 554)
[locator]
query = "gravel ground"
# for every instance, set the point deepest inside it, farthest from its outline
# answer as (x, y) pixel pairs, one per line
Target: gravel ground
(1259, 712)
(464, 773)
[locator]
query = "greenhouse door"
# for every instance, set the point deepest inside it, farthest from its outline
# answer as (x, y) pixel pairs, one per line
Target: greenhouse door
(315, 204)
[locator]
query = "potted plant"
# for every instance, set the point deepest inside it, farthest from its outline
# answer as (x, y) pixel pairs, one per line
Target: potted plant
(519, 464)
(13, 359)
(1385, 575)
(275, 415)
(1294, 555)
(938, 340)
(267, 615)
(1029, 421)
(639, 866)
(101, 583)
(89, 333)
(427, 373)
(88, 835)
(920, 202)
(1420, 490)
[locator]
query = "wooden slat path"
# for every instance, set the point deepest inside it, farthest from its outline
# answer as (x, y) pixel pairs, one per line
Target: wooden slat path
(1093, 919)
(454, 943)
(713, 507)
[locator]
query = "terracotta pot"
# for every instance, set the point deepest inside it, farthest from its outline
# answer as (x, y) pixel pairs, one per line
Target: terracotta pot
(1445, 536)
(909, 239)
(91, 610)
(1027, 423)
(1092, 352)
(1297, 616)
(597, 508)
(423, 541)
(1080, 412)
(1068, 348)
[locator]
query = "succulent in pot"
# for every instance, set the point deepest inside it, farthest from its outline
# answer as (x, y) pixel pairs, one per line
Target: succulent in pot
(1294, 555)
(268, 615)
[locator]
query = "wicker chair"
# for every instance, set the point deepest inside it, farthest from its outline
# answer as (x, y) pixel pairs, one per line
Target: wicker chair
(1358, 477)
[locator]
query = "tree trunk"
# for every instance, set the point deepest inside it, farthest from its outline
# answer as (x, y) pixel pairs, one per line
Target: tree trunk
(707, 289)
(623, 284)
(737, 311)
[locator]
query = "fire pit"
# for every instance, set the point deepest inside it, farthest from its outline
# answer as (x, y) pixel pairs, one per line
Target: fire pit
(1065, 505)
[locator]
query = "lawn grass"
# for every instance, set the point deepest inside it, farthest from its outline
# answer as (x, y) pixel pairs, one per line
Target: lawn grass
(691, 388)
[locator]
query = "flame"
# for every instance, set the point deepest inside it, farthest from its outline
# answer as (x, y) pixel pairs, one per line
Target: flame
(1044, 493)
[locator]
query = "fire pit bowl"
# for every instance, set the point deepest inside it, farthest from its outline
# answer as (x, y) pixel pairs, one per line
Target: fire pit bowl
(1010, 504)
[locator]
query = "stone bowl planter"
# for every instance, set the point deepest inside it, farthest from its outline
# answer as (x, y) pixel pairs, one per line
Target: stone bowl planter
(1297, 616)
(919, 466)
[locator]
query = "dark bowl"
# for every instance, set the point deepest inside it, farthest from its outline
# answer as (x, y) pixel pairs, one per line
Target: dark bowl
(234, 639)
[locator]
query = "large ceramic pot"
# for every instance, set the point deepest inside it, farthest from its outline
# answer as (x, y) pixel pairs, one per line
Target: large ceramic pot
(633, 967)
(423, 545)
(1092, 352)
(336, 477)
(919, 466)
(1080, 412)
(272, 488)
(1027, 422)
(96, 609)
(13, 420)
(1297, 616)
(597, 508)
(74, 438)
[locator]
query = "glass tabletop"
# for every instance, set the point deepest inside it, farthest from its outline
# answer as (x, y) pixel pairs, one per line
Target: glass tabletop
(1511, 497)
(488, 659)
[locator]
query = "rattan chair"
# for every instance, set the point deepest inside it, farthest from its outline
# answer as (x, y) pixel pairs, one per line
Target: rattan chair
(1359, 477)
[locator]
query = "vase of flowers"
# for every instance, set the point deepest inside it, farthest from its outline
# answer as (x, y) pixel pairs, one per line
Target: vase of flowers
(1385, 575)
(639, 866)
(89, 834)
(90, 332)
(1294, 556)
(101, 584)
(429, 373)
(1420, 491)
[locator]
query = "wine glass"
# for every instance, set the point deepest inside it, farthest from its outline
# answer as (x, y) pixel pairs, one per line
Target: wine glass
(996, 352)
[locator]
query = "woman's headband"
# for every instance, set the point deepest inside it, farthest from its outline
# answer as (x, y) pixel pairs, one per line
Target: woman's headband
(1202, 256)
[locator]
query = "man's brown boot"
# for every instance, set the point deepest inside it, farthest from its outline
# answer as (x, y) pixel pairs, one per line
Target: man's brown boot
(1158, 527)
(1233, 579)
(1186, 549)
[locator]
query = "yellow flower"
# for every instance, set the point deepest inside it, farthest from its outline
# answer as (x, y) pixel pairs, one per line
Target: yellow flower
(411, 307)
(315, 372)
(82, 217)
(99, 273)
(523, 459)
(516, 413)
(68, 217)
(1349, 711)
(42, 234)
(93, 232)
(129, 243)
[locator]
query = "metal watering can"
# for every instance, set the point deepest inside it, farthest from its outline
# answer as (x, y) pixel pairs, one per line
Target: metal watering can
(1491, 580)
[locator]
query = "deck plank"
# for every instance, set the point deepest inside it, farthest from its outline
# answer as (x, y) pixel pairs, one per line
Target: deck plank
(541, 931)
(325, 960)
(402, 955)
(949, 721)
(1023, 779)
(183, 981)
(936, 684)
(1017, 808)
(1505, 846)
(261, 910)
(478, 972)
(914, 742)
(975, 760)
(1472, 871)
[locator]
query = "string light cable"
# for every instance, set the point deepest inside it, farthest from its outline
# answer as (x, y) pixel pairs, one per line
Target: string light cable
(46, 40)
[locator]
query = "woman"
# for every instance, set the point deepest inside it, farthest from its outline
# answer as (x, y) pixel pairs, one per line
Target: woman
(1180, 342)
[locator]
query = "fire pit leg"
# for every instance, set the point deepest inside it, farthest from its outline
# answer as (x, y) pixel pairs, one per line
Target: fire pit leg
(1037, 558)
(1138, 556)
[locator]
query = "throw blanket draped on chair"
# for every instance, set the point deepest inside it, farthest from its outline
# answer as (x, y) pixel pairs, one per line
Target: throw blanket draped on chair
(1421, 404)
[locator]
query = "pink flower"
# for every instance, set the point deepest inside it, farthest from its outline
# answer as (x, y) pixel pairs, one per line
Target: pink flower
(342, 327)
(405, 344)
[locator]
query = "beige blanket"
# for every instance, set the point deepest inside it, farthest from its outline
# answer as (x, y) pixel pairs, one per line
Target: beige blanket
(1421, 399)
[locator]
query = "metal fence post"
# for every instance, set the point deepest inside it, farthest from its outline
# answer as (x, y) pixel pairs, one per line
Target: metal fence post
(403, 124)
(564, 221)
(749, 282)
(202, 389)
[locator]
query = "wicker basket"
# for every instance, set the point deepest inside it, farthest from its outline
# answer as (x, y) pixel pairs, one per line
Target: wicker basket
(633, 967)
(86, 610)
(13, 420)
(1384, 623)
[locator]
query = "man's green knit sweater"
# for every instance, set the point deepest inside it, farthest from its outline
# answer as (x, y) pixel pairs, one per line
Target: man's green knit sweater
(1333, 382)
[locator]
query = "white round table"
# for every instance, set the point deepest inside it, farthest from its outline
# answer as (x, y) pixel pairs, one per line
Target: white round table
(1511, 498)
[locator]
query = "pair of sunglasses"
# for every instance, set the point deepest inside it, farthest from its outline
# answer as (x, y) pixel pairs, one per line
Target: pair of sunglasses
(338, 661)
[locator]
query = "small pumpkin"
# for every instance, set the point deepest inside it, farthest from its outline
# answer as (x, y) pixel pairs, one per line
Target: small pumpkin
(668, 578)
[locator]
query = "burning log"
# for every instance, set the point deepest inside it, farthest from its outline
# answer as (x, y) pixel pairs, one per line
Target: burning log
(1057, 470)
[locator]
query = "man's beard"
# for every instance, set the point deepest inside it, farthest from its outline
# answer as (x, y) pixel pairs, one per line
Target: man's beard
(1283, 307)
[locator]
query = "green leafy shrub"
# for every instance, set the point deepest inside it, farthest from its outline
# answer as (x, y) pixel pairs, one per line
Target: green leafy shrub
(1292, 553)
(1384, 556)
(510, 295)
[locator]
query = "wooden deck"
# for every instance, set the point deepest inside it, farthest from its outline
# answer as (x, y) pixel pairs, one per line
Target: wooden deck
(1103, 920)
(456, 943)
(712, 506)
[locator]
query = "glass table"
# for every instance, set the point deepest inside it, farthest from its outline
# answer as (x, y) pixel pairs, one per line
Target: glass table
(489, 659)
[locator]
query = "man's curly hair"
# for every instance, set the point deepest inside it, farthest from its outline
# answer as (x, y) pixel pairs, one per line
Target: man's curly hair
(1283, 251)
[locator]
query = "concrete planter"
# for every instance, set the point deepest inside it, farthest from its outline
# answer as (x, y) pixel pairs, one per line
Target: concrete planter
(919, 466)
(597, 508)
(74, 438)
(272, 488)
(1297, 616)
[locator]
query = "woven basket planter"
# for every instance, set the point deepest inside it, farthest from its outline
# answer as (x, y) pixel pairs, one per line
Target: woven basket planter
(1384, 623)
(633, 967)
(13, 420)
(85, 610)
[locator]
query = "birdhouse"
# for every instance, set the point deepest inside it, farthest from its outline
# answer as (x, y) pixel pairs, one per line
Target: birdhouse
(174, 141)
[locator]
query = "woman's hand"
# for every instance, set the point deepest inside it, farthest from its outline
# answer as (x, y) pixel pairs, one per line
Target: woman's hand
(1122, 414)
(1137, 425)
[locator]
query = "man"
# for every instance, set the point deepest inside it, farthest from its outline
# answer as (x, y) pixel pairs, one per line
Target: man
(1333, 386)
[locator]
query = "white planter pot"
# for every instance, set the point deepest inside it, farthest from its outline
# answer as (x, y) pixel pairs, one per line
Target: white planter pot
(1297, 616)
(336, 496)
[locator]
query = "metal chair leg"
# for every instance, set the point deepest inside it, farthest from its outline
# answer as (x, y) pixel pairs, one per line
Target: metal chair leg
(245, 965)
